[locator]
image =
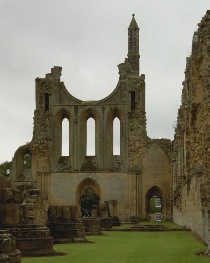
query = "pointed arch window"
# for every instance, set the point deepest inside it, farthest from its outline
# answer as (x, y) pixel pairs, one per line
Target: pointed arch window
(116, 136)
(65, 137)
(90, 151)
(27, 161)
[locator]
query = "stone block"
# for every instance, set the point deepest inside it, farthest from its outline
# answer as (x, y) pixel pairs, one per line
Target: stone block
(6, 195)
(67, 232)
(74, 212)
(11, 214)
(66, 213)
(4, 182)
(4, 258)
(92, 226)
(8, 251)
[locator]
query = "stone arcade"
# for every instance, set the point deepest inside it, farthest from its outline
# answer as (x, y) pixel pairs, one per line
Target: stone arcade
(177, 173)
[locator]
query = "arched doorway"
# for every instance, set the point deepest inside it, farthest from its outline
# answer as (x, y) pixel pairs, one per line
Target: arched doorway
(88, 194)
(154, 204)
(87, 201)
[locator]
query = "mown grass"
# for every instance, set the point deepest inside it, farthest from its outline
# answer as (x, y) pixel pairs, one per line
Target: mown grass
(131, 247)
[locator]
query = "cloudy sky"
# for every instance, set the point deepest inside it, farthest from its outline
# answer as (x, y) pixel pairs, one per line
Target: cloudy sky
(89, 39)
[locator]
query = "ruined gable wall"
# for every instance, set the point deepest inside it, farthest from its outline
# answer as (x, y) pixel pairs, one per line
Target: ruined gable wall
(127, 102)
(156, 171)
(191, 174)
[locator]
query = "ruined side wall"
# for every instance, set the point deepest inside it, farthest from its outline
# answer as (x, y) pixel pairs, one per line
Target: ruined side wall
(191, 169)
(189, 212)
(114, 177)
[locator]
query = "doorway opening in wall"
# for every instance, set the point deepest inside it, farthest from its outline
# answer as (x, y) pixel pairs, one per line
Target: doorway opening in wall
(154, 204)
(87, 201)
(155, 209)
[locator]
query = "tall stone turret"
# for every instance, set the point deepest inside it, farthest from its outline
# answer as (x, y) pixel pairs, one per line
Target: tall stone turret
(133, 45)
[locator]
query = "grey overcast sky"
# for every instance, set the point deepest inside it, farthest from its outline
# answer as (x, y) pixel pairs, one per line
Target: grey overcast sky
(88, 39)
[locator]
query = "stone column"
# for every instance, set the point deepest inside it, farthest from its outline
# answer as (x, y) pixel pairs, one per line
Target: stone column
(75, 142)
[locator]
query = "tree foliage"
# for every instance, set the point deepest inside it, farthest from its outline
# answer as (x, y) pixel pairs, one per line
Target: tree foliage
(87, 200)
(152, 206)
(6, 168)
(27, 161)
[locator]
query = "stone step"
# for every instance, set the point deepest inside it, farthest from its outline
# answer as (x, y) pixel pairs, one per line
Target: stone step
(150, 228)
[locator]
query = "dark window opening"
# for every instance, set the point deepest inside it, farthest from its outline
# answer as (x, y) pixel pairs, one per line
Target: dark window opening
(133, 100)
(46, 101)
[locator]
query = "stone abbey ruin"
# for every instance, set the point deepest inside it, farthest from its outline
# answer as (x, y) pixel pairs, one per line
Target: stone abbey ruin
(46, 200)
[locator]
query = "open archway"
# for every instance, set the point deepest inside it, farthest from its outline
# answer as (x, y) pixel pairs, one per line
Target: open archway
(153, 204)
(87, 201)
(88, 194)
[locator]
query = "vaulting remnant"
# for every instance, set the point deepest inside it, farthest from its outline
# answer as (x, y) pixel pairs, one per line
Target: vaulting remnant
(191, 150)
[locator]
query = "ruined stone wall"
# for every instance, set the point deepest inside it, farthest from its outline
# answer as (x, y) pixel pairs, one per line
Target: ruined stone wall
(125, 178)
(192, 141)
(156, 173)
(67, 188)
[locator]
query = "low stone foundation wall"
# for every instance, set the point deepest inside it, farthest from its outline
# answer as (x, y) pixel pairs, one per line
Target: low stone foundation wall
(4, 258)
(67, 232)
(8, 251)
(106, 223)
(64, 224)
(115, 221)
(92, 226)
(33, 240)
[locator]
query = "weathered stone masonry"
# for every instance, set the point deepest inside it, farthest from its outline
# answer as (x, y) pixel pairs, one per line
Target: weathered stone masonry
(127, 180)
(191, 148)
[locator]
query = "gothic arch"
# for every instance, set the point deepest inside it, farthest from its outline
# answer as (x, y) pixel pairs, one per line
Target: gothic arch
(90, 113)
(155, 146)
(84, 185)
(154, 191)
(19, 159)
(115, 112)
(156, 171)
(111, 115)
(60, 115)
(155, 162)
(85, 115)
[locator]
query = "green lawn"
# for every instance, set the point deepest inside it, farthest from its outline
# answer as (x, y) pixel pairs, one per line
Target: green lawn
(131, 247)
